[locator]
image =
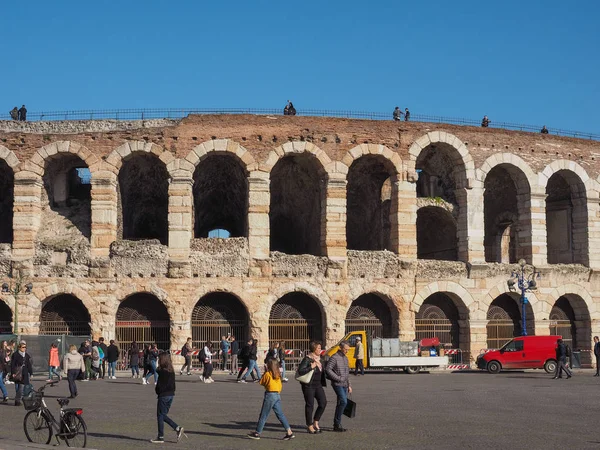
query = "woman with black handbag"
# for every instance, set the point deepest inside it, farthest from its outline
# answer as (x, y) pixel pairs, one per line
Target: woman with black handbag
(21, 369)
(312, 386)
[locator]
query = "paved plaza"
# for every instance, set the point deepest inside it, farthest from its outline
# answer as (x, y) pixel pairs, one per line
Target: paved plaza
(395, 411)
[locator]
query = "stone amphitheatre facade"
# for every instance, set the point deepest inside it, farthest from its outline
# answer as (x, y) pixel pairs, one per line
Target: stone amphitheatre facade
(406, 229)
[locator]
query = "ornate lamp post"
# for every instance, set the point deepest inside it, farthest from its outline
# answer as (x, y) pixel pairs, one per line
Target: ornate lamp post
(15, 288)
(524, 282)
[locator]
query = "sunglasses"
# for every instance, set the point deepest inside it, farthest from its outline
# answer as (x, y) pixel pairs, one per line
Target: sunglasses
(23, 346)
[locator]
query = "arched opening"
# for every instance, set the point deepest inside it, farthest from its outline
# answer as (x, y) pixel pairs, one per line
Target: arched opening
(297, 190)
(373, 314)
(504, 320)
(566, 219)
(296, 319)
(436, 234)
(7, 181)
(441, 170)
(507, 218)
(143, 318)
(369, 197)
(445, 316)
(217, 314)
(66, 198)
(65, 314)
(144, 198)
(570, 318)
(5, 318)
(220, 196)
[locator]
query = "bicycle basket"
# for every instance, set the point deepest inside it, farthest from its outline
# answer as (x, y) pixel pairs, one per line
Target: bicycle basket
(33, 400)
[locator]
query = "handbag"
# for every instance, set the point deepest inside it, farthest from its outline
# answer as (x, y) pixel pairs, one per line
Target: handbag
(17, 377)
(350, 409)
(306, 378)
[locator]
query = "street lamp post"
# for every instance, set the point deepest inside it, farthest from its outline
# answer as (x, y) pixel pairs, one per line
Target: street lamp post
(524, 283)
(15, 288)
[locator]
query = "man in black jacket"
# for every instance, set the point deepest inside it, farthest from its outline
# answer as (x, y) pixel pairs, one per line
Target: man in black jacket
(112, 356)
(561, 360)
(235, 348)
(597, 355)
(104, 348)
(21, 369)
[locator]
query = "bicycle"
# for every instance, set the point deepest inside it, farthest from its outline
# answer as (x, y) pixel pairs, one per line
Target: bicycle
(40, 425)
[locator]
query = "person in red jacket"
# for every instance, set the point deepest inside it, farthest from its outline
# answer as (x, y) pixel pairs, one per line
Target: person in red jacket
(53, 363)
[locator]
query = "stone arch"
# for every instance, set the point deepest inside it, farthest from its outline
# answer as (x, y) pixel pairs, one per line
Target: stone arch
(393, 162)
(583, 303)
(66, 288)
(296, 318)
(125, 151)
(65, 314)
(539, 308)
(508, 193)
(460, 295)
(38, 162)
(571, 318)
(566, 214)
(8, 165)
(298, 199)
(559, 165)
(221, 146)
(508, 159)
(6, 318)
(373, 312)
(372, 197)
(143, 192)
(436, 234)
(504, 320)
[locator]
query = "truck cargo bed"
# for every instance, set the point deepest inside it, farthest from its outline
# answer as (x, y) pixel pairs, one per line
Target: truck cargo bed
(409, 361)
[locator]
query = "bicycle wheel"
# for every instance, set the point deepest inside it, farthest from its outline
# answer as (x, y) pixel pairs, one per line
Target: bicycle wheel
(74, 431)
(38, 428)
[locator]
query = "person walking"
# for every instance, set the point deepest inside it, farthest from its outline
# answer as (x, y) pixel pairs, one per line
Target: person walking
(53, 363)
(207, 355)
(21, 369)
(271, 380)
(561, 360)
(8, 351)
(14, 113)
(337, 371)
(245, 359)
(102, 349)
(314, 388)
(134, 360)
(252, 362)
(165, 390)
(112, 356)
(224, 347)
(397, 114)
(597, 355)
(85, 350)
(4, 366)
(186, 352)
(235, 349)
(282, 355)
(152, 359)
(23, 114)
(145, 361)
(359, 355)
(73, 365)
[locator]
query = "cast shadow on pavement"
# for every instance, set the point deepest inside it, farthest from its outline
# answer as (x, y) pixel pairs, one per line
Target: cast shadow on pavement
(117, 436)
(251, 426)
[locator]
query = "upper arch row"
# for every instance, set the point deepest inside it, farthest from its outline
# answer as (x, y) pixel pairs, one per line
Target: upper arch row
(178, 167)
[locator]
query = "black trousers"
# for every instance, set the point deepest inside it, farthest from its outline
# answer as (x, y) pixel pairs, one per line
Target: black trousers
(72, 375)
(208, 370)
(560, 366)
(359, 366)
(597, 365)
(310, 393)
(103, 368)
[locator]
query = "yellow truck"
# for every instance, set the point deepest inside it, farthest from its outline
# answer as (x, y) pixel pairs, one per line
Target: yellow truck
(389, 353)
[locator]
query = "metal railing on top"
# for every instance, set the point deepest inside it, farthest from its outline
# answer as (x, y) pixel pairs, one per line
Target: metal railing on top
(178, 113)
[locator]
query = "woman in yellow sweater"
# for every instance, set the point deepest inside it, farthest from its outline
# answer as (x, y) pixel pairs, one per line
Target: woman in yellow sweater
(271, 380)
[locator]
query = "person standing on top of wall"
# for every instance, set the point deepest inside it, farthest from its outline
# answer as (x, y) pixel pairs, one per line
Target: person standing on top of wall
(544, 130)
(406, 114)
(485, 122)
(23, 114)
(397, 114)
(14, 113)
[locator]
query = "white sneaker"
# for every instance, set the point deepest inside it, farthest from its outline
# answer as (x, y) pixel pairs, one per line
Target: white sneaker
(201, 378)
(211, 380)
(144, 381)
(285, 379)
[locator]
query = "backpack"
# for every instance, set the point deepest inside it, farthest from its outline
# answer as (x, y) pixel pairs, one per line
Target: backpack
(184, 350)
(202, 356)
(568, 351)
(100, 353)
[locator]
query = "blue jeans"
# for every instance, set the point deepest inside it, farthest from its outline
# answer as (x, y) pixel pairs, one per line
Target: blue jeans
(272, 401)
(251, 366)
(162, 409)
(135, 370)
(2, 387)
(152, 371)
(283, 368)
(342, 400)
(112, 367)
(52, 371)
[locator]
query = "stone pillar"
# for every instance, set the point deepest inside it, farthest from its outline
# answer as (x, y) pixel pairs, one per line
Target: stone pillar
(104, 213)
(27, 214)
(180, 216)
(470, 226)
(403, 218)
(542, 327)
(407, 324)
(333, 218)
(593, 232)
(478, 339)
(537, 233)
(258, 214)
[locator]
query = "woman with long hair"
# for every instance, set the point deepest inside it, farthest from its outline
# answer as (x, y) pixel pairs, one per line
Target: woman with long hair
(134, 360)
(271, 380)
(207, 363)
(53, 362)
(314, 388)
(165, 390)
(281, 351)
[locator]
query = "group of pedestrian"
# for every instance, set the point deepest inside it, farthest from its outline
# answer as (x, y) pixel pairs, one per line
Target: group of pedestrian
(16, 367)
(19, 114)
(397, 114)
(289, 109)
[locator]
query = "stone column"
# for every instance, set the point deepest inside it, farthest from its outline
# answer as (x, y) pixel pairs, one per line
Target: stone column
(333, 218)
(542, 327)
(180, 216)
(470, 226)
(27, 214)
(593, 232)
(536, 235)
(104, 213)
(478, 339)
(403, 218)
(258, 214)
(407, 324)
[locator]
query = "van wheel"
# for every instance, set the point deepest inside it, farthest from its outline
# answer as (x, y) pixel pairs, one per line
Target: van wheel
(412, 370)
(494, 367)
(550, 366)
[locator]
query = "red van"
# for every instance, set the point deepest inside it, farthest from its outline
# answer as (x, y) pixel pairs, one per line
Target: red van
(524, 352)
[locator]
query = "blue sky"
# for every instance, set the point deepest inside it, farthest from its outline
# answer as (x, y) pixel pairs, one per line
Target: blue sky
(531, 62)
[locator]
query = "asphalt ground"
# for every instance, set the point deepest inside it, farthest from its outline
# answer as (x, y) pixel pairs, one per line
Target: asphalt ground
(517, 410)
